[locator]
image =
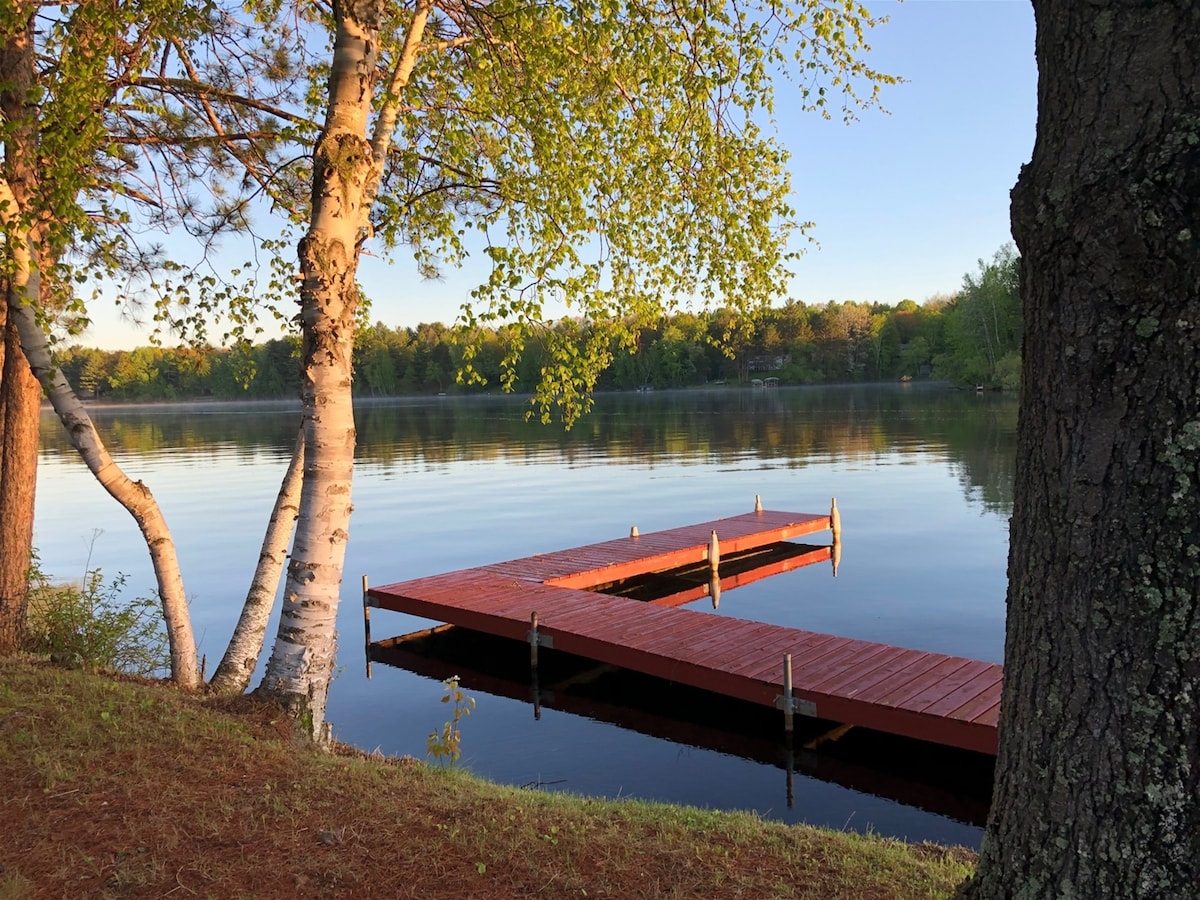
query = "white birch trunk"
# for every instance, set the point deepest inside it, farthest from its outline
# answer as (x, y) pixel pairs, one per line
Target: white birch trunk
(25, 250)
(133, 495)
(346, 177)
(241, 656)
(302, 658)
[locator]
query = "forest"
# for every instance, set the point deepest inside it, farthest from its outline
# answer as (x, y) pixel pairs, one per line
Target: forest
(971, 337)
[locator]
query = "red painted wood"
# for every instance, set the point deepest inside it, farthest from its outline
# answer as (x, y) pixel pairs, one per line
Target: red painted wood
(765, 661)
(811, 661)
(985, 680)
(869, 663)
(977, 706)
(939, 698)
(848, 658)
(945, 667)
(887, 678)
(948, 686)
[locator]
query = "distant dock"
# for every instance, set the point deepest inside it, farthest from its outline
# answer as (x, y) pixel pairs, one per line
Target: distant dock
(557, 601)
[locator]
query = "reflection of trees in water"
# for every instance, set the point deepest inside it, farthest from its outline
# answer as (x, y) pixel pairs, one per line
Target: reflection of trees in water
(789, 426)
(985, 463)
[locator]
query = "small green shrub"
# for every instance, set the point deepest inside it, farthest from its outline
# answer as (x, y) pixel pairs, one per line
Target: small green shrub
(446, 745)
(90, 625)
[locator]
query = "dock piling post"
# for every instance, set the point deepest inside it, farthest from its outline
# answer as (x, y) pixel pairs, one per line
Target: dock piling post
(533, 640)
(714, 590)
(835, 521)
(714, 553)
(366, 626)
(633, 532)
(788, 723)
(757, 503)
(791, 768)
(537, 697)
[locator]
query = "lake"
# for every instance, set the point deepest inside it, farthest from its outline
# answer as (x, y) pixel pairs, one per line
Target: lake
(922, 477)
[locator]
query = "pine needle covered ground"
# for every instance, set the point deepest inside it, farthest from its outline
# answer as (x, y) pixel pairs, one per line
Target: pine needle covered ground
(120, 788)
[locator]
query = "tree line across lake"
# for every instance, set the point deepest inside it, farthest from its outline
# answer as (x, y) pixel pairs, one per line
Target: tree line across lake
(971, 337)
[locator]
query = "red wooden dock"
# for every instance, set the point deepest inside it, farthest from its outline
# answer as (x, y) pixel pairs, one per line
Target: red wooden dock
(945, 699)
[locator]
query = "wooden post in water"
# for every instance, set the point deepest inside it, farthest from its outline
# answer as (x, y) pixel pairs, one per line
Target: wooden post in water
(835, 521)
(714, 590)
(788, 724)
(633, 532)
(533, 640)
(791, 768)
(757, 503)
(366, 626)
(714, 553)
(537, 697)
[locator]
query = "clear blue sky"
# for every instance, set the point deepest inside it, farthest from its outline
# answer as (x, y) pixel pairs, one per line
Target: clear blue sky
(904, 204)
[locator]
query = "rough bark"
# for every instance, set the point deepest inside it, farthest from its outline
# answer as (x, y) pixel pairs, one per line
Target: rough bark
(302, 657)
(18, 479)
(241, 656)
(1098, 773)
(16, 78)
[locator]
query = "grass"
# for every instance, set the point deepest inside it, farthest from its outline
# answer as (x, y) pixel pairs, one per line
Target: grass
(124, 788)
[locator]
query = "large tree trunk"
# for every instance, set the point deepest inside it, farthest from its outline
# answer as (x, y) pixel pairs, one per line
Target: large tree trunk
(21, 412)
(347, 165)
(302, 657)
(1098, 790)
(241, 656)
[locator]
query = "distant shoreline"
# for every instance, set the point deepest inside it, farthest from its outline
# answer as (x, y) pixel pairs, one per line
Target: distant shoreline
(208, 404)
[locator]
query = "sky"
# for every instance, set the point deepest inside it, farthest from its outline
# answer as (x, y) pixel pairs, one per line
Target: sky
(905, 203)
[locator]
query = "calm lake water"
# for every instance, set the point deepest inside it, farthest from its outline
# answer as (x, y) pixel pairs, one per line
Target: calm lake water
(922, 476)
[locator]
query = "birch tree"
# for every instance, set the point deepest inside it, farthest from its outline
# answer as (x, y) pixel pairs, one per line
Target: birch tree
(98, 109)
(615, 158)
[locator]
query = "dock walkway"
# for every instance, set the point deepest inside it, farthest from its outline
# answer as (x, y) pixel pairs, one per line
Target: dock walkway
(930, 696)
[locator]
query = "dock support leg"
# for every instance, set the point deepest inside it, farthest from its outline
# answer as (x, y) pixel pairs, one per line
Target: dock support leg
(788, 715)
(533, 641)
(537, 696)
(757, 503)
(791, 770)
(714, 553)
(366, 626)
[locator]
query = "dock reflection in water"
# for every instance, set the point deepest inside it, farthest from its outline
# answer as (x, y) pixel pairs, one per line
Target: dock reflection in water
(945, 781)
(953, 783)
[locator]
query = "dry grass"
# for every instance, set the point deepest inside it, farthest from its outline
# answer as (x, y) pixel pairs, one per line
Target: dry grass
(123, 789)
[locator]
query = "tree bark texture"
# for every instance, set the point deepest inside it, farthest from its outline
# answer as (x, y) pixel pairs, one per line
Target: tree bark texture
(21, 409)
(1098, 773)
(302, 657)
(241, 656)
